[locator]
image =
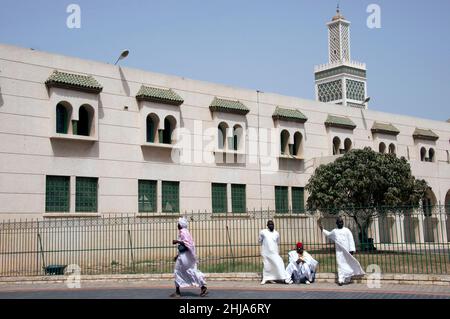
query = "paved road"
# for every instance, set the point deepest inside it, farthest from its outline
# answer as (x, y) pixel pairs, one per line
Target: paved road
(221, 290)
(216, 294)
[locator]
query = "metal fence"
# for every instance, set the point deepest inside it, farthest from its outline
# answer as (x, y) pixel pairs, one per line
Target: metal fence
(403, 241)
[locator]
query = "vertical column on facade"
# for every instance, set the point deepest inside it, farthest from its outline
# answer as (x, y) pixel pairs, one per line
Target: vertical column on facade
(439, 212)
(73, 186)
(399, 236)
(159, 196)
(420, 217)
(376, 230)
(229, 200)
(444, 220)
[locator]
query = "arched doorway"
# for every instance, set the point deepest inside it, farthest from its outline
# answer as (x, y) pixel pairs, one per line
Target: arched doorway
(222, 135)
(347, 145)
(85, 116)
(284, 140)
(392, 149)
(336, 145)
(170, 124)
(237, 137)
(298, 146)
(429, 223)
(152, 127)
(63, 110)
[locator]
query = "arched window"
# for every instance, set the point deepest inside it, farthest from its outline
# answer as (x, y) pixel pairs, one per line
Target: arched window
(336, 145)
(237, 137)
(62, 118)
(169, 126)
(382, 148)
(152, 128)
(431, 155)
(347, 145)
(85, 115)
(222, 135)
(392, 149)
(423, 154)
(284, 139)
(298, 139)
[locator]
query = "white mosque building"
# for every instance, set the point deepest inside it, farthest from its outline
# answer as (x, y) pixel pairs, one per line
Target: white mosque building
(84, 138)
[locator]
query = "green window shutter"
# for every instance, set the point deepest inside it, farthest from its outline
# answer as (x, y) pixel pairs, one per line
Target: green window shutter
(298, 200)
(283, 142)
(57, 194)
(219, 198)
(238, 198)
(61, 119)
(150, 130)
(86, 194)
(147, 196)
(281, 199)
(170, 197)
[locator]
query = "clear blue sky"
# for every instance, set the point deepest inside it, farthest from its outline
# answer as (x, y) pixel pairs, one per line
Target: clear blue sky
(271, 46)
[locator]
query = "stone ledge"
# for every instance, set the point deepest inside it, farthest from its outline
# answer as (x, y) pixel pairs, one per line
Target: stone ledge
(407, 279)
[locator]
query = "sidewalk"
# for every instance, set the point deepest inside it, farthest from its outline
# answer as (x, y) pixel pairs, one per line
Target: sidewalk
(321, 278)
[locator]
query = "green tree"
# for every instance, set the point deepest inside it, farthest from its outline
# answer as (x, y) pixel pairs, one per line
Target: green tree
(363, 184)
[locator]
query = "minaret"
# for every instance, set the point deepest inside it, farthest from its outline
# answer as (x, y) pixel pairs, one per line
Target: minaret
(340, 81)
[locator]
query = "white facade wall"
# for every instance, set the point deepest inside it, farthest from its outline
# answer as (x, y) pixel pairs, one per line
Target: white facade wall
(116, 156)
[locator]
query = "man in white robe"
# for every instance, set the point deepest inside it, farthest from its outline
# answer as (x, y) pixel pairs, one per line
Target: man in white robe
(273, 263)
(186, 272)
(348, 266)
(302, 266)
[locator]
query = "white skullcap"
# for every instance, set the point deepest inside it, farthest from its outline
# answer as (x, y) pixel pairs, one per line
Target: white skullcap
(183, 222)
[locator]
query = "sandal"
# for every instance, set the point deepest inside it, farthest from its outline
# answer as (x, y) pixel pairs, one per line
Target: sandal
(204, 292)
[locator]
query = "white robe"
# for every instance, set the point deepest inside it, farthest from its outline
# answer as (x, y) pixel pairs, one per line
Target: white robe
(303, 270)
(186, 272)
(348, 266)
(273, 263)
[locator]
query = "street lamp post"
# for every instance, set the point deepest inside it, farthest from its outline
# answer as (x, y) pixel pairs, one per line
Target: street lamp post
(122, 56)
(366, 101)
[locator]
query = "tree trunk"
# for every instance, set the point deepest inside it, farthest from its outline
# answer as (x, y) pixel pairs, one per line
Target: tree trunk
(365, 243)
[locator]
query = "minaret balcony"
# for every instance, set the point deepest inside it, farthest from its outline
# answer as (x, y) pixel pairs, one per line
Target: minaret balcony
(328, 66)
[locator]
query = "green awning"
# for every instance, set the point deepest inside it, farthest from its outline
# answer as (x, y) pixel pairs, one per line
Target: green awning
(385, 129)
(341, 122)
(85, 83)
(425, 135)
(289, 115)
(152, 94)
(228, 106)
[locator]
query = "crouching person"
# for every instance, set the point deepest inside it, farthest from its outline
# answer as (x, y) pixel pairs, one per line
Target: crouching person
(302, 266)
